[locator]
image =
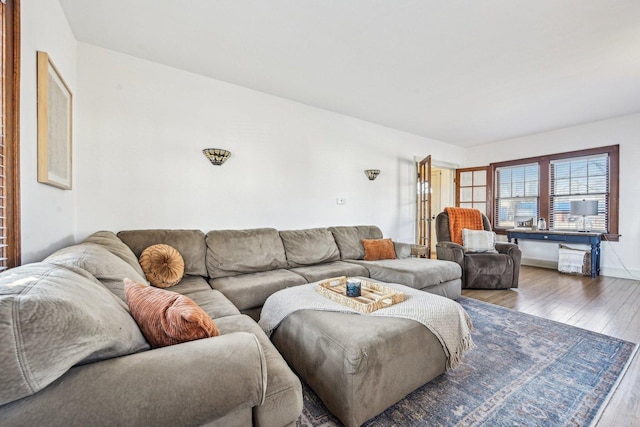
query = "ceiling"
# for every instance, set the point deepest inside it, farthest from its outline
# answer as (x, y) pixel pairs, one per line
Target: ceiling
(463, 72)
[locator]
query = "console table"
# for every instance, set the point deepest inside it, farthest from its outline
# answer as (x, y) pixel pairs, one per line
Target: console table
(588, 238)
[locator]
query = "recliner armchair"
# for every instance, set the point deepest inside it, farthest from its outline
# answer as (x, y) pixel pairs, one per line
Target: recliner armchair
(480, 270)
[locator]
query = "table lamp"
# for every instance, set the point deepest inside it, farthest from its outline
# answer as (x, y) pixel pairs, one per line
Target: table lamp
(584, 208)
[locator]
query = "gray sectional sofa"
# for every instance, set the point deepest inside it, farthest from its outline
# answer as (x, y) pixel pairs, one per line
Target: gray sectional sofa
(249, 265)
(72, 354)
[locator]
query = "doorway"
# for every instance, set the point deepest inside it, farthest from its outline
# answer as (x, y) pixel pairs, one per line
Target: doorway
(442, 196)
(435, 191)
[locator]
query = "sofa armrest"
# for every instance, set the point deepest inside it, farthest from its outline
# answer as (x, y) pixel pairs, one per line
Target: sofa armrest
(403, 250)
(449, 251)
(185, 384)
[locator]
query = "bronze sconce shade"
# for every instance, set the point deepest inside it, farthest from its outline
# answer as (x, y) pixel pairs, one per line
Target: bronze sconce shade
(372, 173)
(216, 156)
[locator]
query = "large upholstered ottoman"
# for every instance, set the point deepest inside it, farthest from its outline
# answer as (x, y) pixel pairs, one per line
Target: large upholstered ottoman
(359, 365)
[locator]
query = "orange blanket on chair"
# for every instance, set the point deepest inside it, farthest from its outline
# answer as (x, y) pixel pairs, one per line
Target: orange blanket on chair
(460, 218)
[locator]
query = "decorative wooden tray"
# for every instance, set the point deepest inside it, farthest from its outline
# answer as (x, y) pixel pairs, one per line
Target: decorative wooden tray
(374, 295)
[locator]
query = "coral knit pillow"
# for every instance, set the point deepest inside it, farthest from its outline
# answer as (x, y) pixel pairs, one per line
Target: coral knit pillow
(163, 265)
(166, 317)
(376, 249)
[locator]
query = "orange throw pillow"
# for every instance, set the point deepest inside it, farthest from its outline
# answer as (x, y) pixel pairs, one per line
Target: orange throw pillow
(166, 317)
(375, 249)
(162, 265)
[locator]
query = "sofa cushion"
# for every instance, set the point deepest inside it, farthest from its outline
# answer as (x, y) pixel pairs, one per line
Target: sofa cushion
(190, 284)
(108, 268)
(213, 302)
(309, 247)
(166, 317)
(313, 273)
(349, 239)
(248, 291)
(113, 244)
(52, 319)
(376, 249)
(232, 252)
(190, 244)
(416, 273)
(163, 265)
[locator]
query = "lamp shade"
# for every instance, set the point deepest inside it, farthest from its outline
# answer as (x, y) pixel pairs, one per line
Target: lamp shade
(584, 207)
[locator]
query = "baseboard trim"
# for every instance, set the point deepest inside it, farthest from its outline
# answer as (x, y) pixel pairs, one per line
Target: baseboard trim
(619, 273)
(553, 265)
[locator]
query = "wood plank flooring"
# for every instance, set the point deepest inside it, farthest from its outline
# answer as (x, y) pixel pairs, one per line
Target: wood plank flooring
(606, 305)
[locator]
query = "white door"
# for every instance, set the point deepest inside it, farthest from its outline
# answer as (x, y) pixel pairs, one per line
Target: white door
(436, 203)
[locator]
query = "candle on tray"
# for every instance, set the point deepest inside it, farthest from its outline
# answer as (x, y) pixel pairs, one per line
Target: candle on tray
(353, 288)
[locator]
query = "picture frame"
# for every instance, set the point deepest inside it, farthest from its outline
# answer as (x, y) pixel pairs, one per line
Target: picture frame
(524, 222)
(55, 115)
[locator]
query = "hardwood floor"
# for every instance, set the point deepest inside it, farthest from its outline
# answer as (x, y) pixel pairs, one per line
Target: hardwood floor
(606, 305)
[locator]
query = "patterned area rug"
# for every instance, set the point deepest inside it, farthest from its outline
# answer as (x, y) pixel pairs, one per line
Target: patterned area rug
(525, 371)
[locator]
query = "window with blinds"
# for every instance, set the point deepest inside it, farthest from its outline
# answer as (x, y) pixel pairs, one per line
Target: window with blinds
(517, 194)
(579, 178)
(545, 186)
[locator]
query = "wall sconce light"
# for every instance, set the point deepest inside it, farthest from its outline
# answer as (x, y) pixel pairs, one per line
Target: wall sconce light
(216, 156)
(372, 173)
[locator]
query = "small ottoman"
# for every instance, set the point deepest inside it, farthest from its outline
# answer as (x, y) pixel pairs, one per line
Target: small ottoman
(359, 365)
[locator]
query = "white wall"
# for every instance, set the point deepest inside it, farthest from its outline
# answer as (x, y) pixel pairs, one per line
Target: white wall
(141, 127)
(624, 131)
(48, 213)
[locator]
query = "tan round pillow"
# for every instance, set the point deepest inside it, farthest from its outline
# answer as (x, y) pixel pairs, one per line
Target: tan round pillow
(162, 265)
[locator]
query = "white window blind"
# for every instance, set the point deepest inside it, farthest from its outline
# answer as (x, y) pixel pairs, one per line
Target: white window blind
(579, 178)
(517, 194)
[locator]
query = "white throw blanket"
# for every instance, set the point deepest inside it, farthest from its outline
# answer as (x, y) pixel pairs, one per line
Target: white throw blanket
(570, 260)
(445, 318)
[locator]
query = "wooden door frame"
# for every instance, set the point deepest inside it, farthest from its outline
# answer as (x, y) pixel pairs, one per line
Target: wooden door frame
(11, 122)
(424, 209)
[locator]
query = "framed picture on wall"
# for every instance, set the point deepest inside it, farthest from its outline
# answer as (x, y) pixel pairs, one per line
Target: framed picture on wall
(524, 221)
(54, 125)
